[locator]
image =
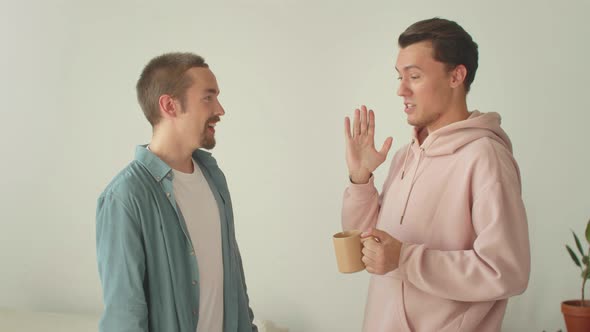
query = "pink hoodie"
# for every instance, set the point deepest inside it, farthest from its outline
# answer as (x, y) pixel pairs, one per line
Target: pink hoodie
(455, 204)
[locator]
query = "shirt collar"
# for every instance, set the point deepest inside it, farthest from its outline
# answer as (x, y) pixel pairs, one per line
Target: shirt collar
(157, 168)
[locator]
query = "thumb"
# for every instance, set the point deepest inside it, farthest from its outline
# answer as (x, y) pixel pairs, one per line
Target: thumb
(386, 146)
(378, 234)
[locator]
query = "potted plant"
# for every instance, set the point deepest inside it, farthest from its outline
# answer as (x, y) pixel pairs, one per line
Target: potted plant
(577, 312)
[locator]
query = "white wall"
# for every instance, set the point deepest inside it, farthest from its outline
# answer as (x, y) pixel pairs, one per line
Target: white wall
(289, 72)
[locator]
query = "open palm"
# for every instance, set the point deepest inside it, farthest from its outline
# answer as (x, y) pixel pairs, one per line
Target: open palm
(361, 156)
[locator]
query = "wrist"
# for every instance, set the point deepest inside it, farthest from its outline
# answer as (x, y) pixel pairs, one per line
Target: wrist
(360, 177)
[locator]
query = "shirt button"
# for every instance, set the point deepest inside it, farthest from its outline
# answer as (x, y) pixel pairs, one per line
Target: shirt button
(195, 312)
(168, 194)
(194, 282)
(158, 178)
(192, 252)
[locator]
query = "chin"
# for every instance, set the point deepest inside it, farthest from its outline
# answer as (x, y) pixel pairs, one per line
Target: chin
(209, 145)
(419, 122)
(413, 122)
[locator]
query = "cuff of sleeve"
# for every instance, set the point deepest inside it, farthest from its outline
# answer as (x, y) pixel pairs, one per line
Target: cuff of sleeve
(363, 189)
(400, 273)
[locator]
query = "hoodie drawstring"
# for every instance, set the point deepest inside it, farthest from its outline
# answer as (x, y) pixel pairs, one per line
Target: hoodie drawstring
(401, 220)
(406, 158)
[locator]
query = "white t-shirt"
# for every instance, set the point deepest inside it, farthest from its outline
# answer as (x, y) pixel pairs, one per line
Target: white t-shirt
(199, 209)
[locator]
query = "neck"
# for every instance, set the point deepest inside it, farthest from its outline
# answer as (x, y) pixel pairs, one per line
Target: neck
(172, 151)
(457, 112)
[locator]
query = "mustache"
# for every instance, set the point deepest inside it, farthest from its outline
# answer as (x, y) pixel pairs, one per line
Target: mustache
(213, 119)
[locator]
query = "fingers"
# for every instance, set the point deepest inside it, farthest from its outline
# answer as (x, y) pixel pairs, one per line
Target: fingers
(361, 121)
(357, 123)
(368, 261)
(347, 134)
(371, 248)
(371, 125)
(380, 251)
(370, 244)
(364, 120)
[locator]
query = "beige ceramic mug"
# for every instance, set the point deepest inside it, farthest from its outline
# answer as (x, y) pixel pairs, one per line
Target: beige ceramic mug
(348, 248)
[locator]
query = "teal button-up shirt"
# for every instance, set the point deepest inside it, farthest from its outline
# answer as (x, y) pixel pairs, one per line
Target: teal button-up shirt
(146, 261)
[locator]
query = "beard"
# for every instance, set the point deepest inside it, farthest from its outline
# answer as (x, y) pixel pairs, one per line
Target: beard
(208, 142)
(207, 139)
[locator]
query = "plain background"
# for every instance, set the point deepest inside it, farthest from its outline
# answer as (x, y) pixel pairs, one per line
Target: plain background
(289, 72)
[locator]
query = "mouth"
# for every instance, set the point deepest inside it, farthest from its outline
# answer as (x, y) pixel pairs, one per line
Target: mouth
(409, 107)
(211, 127)
(211, 123)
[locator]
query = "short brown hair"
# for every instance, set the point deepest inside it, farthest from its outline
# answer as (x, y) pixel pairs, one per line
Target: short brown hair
(452, 45)
(165, 74)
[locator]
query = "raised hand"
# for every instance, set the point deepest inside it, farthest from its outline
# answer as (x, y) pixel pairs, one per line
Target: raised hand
(361, 156)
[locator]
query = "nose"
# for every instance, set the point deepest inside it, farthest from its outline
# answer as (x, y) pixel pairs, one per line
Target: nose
(219, 109)
(403, 90)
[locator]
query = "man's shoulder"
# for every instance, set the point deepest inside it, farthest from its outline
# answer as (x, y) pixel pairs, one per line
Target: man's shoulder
(131, 181)
(491, 160)
(487, 148)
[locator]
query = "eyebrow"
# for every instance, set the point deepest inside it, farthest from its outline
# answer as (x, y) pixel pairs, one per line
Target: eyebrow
(408, 67)
(213, 91)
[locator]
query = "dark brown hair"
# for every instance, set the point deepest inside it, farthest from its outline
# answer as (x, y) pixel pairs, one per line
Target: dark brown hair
(452, 45)
(165, 74)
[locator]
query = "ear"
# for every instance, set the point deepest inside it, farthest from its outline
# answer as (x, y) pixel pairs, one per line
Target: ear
(169, 108)
(458, 76)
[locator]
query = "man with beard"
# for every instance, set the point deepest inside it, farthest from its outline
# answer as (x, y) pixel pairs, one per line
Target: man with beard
(167, 254)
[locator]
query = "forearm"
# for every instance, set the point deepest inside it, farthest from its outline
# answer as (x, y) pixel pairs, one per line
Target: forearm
(360, 206)
(463, 275)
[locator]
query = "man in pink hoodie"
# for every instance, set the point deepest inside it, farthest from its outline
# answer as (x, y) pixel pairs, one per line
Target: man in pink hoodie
(447, 238)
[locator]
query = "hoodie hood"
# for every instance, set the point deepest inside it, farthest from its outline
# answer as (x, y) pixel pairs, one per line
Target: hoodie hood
(448, 139)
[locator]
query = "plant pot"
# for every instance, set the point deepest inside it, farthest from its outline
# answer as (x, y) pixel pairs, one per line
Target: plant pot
(577, 318)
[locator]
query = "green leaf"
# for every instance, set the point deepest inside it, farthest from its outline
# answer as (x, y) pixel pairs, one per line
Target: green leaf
(573, 255)
(585, 260)
(578, 244)
(588, 231)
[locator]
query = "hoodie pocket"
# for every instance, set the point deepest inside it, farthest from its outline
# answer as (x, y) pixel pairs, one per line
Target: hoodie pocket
(425, 312)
